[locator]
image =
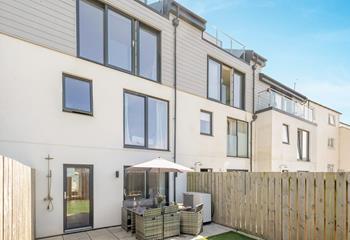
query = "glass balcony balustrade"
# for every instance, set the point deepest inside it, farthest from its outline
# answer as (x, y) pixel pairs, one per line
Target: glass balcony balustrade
(272, 99)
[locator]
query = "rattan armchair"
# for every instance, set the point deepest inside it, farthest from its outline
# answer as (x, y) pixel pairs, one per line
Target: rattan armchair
(150, 225)
(171, 220)
(192, 221)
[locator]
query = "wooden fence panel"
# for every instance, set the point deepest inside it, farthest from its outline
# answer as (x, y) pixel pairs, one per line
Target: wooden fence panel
(264, 197)
(341, 207)
(320, 206)
(288, 206)
(259, 225)
(271, 207)
(278, 206)
(301, 206)
(285, 207)
(310, 206)
(16, 200)
(330, 195)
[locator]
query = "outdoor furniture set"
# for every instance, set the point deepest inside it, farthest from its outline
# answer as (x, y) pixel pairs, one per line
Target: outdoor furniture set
(162, 222)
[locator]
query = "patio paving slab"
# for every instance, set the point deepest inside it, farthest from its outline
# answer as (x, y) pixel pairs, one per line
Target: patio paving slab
(117, 233)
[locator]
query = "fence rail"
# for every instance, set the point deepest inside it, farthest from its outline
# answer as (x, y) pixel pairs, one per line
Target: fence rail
(284, 206)
(16, 200)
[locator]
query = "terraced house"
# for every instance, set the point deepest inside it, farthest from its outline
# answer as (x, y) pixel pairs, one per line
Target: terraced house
(91, 87)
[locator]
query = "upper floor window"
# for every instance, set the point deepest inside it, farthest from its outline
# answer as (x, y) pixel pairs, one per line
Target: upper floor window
(225, 84)
(206, 123)
(238, 90)
(303, 145)
(148, 53)
(77, 95)
(237, 138)
(214, 80)
(285, 134)
(331, 142)
(331, 119)
(91, 30)
(119, 41)
(145, 122)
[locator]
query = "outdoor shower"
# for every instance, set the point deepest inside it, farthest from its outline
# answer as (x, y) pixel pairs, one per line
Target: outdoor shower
(48, 198)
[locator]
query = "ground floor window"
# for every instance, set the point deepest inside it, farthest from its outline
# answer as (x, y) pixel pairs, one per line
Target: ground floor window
(146, 184)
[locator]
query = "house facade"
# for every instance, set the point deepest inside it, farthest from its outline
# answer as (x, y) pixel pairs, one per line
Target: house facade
(293, 133)
(91, 87)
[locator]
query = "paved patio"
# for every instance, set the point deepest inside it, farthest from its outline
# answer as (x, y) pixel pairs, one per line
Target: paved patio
(117, 233)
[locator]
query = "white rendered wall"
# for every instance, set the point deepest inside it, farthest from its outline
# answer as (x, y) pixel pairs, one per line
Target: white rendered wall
(33, 125)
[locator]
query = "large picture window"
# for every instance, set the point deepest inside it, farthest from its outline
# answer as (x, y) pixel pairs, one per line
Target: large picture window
(111, 38)
(77, 95)
(225, 84)
(237, 138)
(303, 145)
(145, 122)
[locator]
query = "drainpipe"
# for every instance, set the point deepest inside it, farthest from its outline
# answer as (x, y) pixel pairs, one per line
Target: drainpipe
(253, 120)
(175, 24)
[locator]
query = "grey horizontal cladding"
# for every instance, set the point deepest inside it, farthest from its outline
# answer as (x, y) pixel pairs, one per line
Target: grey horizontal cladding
(49, 23)
(192, 63)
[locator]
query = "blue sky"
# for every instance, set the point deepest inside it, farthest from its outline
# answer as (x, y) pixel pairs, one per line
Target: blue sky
(305, 41)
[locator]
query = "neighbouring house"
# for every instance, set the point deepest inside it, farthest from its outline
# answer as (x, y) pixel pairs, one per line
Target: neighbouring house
(344, 153)
(102, 85)
(292, 132)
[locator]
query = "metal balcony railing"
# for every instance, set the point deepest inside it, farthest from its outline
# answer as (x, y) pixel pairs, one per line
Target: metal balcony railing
(224, 41)
(157, 5)
(270, 98)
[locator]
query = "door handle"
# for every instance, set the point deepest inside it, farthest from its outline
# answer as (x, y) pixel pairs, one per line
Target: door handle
(65, 195)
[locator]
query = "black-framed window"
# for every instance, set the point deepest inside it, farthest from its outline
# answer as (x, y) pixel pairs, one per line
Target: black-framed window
(77, 95)
(237, 138)
(146, 184)
(303, 148)
(148, 49)
(331, 142)
(285, 134)
(206, 123)
(146, 122)
(109, 37)
(225, 84)
(331, 120)
(91, 30)
(120, 40)
(238, 90)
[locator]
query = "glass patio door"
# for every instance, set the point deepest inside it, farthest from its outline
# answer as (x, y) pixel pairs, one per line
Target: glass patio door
(78, 195)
